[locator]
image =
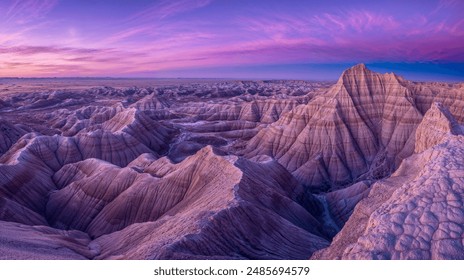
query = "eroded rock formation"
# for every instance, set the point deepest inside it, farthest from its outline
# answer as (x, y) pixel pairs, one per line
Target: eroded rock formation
(416, 213)
(361, 128)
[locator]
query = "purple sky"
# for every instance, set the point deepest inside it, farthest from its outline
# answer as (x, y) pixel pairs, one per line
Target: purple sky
(231, 39)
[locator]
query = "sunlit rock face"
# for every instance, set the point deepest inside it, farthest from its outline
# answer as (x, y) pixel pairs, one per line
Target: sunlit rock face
(361, 128)
(368, 167)
(438, 123)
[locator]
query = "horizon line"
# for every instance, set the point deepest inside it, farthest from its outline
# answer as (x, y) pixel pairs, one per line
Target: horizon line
(218, 79)
(172, 78)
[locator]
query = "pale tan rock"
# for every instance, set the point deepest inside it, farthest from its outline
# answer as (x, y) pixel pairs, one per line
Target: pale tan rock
(438, 122)
(71, 123)
(417, 212)
(337, 137)
(141, 127)
(150, 103)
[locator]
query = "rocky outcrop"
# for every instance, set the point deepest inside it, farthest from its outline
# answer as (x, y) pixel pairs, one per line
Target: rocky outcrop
(437, 124)
(151, 103)
(71, 123)
(417, 212)
(27, 168)
(361, 128)
(24, 242)
(9, 134)
(205, 195)
(213, 217)
(341, 203)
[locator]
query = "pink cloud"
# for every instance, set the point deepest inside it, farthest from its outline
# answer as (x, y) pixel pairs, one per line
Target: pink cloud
(127, 33)
(155, 39)
(33, 50)
(56, 61)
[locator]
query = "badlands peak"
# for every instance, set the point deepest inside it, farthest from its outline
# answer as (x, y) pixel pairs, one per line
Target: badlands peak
(355, 71)
(361, 128)
(360, 75)
(358, 68)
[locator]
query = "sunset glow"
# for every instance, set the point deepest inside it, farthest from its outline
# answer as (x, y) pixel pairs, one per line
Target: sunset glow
(230, 39)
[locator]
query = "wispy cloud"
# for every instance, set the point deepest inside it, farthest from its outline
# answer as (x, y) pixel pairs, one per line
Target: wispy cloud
(128, 33)
(56, 60)
(43, 70)
(154, 22)
(274, 26)
(33, 50)
(24, 11)
(445, 5)
(359, 21)
(176, 35)
(167, 8)
(9, 37)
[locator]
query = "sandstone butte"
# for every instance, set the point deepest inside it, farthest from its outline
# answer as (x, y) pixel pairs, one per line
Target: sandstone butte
(367, 168)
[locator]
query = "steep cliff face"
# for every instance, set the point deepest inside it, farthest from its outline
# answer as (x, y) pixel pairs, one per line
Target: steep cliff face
(417, 212)
(361, 128)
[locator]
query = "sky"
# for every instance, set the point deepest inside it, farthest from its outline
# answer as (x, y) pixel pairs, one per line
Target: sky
(244, 39)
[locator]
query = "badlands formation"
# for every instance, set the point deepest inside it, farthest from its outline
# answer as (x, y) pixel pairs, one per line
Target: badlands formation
(367, 168)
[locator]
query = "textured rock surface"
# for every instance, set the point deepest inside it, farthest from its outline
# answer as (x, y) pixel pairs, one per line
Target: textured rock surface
(417, 213)
(258, 212)
(9, 134)
(361, 128)
(438, 123)
(342, 202)
(18, 241)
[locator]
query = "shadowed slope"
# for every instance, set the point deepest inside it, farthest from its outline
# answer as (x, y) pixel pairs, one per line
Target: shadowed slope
(225, 210)
(417, 212)
(219, 200)
(26, 170)
(9, 134)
